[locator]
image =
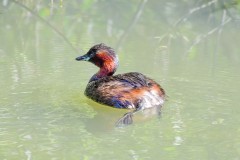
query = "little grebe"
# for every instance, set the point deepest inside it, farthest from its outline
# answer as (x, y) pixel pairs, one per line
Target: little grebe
(129, 90)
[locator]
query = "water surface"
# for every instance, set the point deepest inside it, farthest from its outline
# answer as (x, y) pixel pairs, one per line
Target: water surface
(191, 49)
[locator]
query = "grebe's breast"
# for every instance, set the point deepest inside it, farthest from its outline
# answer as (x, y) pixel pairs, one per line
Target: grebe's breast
(129, 90)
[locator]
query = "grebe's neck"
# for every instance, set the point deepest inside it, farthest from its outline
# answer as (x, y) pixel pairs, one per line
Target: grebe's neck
(107, 68)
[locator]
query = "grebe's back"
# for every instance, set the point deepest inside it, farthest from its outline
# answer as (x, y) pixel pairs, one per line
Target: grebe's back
(129, 90)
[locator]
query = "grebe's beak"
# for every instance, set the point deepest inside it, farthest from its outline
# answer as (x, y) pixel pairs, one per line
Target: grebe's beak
(83, 58)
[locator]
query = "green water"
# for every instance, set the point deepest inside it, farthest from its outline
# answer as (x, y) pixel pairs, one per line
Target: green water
(44, 114)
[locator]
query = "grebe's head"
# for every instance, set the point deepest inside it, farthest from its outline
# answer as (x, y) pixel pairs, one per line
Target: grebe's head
(102, 56)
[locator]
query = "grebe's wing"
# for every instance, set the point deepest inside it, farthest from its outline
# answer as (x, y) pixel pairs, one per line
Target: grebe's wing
(133, 79)
(129, 90)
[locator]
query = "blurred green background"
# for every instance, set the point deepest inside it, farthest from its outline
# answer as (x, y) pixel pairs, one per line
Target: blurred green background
(190, 47)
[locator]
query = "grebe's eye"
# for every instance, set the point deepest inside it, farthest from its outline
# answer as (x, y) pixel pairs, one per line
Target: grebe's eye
(94, 51)
(91, 54)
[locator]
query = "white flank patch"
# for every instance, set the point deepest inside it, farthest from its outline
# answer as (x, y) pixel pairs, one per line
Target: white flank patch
(151, 99)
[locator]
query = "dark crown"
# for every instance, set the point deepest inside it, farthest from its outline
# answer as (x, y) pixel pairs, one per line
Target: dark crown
(102, 46)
